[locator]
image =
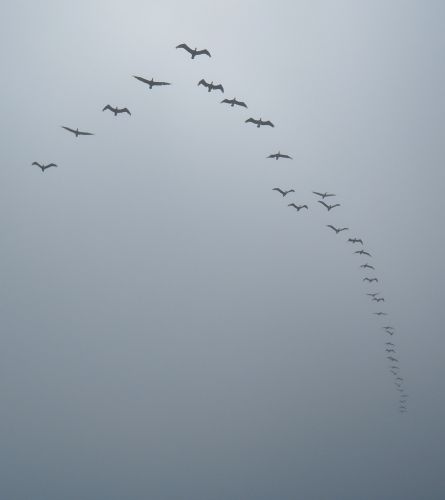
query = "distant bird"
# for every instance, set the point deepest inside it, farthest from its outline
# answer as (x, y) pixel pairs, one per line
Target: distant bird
(378, 299)
(151, 83)
(43, 167)
(392, 359)
(389, 343)
(194, 52)
(370, 280)
(210, 86)
(356, 240)
(259, 122)
(284, 193)
(367, 266)
(362, 252)
(395, 368)
(389, 332)
(337, 230)
(116, 110)
(298, 207)
(279, 155)
(380, 313)
(323, 195)
(400, 378)
(77, 131)
(234, 102)
(390, 350)
(373, 294)
(388, 327)
(394, 373)
(329, 207)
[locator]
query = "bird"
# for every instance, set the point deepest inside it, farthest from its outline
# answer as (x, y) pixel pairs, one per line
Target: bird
(373, 294)
(298, 207)
(395, 368)
(151, 83)
(392, 359)
(194, 52)
(400, 378)
(117, 110)
(389, 332)
(323, 195)
(280, 155)
(370, 280)
(43, 167)
(389, 343)
(259, 122)
(77, 131)
(390, 350)
(329, 207)
(394, 373)
(337, 230)
(234, 102)
(388, 327)
(210, 86)
(378, 299)
(355, 240)
(367, 266)
(362, 252)
(380, 313)
(284, 193)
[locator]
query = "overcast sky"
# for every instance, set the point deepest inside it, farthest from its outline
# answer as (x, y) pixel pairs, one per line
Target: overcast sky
(170, 328)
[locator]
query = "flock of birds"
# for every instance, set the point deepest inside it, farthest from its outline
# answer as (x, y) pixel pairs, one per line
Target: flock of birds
(375, 297)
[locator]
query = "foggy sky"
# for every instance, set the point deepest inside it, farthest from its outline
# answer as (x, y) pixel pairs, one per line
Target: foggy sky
(170, 328)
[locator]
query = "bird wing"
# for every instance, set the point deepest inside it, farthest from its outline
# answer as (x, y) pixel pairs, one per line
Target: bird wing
(240, 103)
(329, 194)
(85, 133)
(319, 194)
(51, 165)
(160, 83)
(219, 87)
(203, 82)
(203, 51)
(332, 227)
(323, 203)
(144, 80)
(228, 101)
(185, 47)
(285, 156)
(268, 122)
(337, 205)
(124, 110)
(279, 190)
(251, 120)
(36, 163)
(272, 156)
(108, 107)
(305, 206)
(69, 129)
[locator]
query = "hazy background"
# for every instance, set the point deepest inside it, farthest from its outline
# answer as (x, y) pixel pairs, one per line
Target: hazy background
(171, 329)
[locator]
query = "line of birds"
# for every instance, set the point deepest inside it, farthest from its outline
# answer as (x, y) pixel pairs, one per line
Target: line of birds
(375, 296)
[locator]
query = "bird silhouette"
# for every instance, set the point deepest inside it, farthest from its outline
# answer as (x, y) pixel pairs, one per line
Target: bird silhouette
(210, 86)
(367, 266)
(389, 343)
(76, 132)
(284, 193)
(234, 102)
(373, 294)
(329, 207)
(370, 280)
(362, 252)
(392, 359)
(355, 240)
(43, 167)
(388, 327)
(194, 52)
(151, 83)
(337, 230)
(380, 313)
(323, 195)
(390, 350)
(116, 110)
(259, 122)
(297, 207)
(279, 155)
(378, 299)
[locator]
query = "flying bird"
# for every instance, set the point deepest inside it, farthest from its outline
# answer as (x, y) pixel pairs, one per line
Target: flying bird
(284, 193)
(367, 266)
(298, 207)
(117, 110)
(373, 294)
(370, 280)
(355, 240)
(151, 83)
(43, 167)
(76, 132)
(389, 343)
(329, 207)
(378, 299)
(388, 328)
(259, 122)
(337, 230)
(323, 195)
(279, 155)
(194, 52)
(210, 86)
(392, 359)
(390, 350)
(362, 252)
(234, 102)
(380, 313)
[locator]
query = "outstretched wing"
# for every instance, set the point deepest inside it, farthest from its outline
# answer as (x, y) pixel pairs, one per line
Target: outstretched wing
(185, 47)
(323, 203)
(279, 190)
(240, 103)
(332, 227)
(251, 120)
(160, 83)
(272, 156)
(109, 107)
(336, 205)
(69, 129)
(268, 123)
(286, 156)
(219, 87)
(51, 165)
(203, 82)
(318, 194)
(329, 194)
(228, 101)
(203, 51)
(36, 163)
(293, 205)
(144, 80)
(124, 110)
(84, 133)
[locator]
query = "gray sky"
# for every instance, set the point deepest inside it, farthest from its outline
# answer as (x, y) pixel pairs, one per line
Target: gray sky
(171, 329)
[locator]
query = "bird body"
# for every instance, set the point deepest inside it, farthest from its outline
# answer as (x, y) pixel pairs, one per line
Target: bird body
(151, 83)
(116, 110)
(76, 132)
(329, 207)
(194, 52)
(298, 207)
(234, 102)
(260, 122)
(43, 167)
(337, 229)
(279, 155)
(284, 193)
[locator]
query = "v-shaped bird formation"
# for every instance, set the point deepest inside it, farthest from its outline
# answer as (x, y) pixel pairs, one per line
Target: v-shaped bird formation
(375, 297)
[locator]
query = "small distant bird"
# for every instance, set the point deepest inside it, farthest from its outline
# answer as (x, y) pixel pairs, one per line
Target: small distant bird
(362, 252)
(323, 195)
(400, 378)
(77, 131)
(370, 280)
(392, 359)
(337, 230)
(388, 327)
(329, 207)
(378, 299)
(151, 83)
(356, 240)
(43, 167)
(259, 122)
(279, 155)
(298, 207)
(380, 314)
(394, 373)
(234, 102)
(367, 266)
(117, 110)
(284, 193)
(210, 86)
(389, 343)
(390, 350)
(373, 294)
(395, 368)
(194, 52)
